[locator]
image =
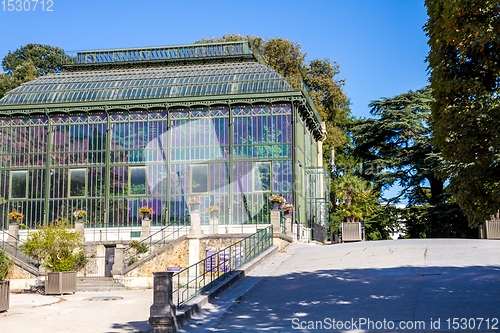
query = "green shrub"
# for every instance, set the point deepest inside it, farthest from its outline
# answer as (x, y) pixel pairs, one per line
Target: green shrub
(131, 261)
(56, 246)
(5, 265)
(139, 247)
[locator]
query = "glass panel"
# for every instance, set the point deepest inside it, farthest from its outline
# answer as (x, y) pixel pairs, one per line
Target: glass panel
(77, 182)
(18, 184)
(199, 179)
(262, 177)
(138, 180)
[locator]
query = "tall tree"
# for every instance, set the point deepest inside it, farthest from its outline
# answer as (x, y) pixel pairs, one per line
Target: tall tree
(45, 59)
(464, 40)
(400, 139)
(29, 62)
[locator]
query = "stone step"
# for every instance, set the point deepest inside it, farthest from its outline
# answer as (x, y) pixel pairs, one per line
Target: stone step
(97, 284)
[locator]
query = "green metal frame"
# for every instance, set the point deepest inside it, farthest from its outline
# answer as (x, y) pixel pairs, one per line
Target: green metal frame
(303, 110)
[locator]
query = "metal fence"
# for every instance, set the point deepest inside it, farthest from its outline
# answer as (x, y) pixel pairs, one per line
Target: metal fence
(193, 280)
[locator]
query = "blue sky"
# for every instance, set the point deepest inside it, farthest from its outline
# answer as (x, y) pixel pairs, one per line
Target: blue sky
(379, 44)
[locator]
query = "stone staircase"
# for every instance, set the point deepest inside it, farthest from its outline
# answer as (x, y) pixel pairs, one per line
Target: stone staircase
(97, 284)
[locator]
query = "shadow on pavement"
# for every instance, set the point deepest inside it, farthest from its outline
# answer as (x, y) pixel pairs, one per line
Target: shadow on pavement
(134, 326)
(319, 300)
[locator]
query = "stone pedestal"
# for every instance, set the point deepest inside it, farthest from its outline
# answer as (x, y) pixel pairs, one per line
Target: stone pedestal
(275, 221)
(119, 264)
(13, 232)
(146, 227)
(289, 225)
(194, 256)
(162, 312)
(80, 227)
(214, 225)
(195, 224)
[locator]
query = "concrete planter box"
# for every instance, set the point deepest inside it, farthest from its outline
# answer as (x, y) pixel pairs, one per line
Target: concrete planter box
(4, 295)
(60, 283)
(351, 232)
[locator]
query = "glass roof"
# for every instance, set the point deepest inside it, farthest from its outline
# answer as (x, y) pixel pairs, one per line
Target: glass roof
(203, 51)
(149, 83)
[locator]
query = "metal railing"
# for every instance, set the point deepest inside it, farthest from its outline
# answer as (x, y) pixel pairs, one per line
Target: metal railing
(155, 241)
(283, 224)
(12, 245)
(191, 281)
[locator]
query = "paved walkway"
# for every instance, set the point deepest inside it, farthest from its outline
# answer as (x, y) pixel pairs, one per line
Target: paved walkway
(402, 282)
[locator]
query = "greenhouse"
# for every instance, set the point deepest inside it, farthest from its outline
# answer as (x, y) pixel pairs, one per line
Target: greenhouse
(120, 129)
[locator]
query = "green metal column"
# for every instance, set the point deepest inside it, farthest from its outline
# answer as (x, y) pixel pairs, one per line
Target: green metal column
(107, 168)
(294, 157)
(167, 163)
(47, 170)
(230, 168)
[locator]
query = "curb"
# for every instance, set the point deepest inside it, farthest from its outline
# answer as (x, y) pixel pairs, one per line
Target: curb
(186, 313)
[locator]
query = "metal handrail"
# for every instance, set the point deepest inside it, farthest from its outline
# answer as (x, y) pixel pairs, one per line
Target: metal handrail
(14, 249)
(192, 280)
(149, 240)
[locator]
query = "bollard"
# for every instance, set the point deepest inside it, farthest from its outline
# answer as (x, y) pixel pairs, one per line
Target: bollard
(162, 312)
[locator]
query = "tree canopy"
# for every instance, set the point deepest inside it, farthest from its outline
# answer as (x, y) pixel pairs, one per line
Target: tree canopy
(464, 40)
(44, 58)
(400, 139)
(29, 62)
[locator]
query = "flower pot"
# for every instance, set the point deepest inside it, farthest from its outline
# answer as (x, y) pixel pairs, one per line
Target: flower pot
(214, 214)
(145, 216)
(275, 205)
(58, 283)
(287, 213)
(194, 207)
(4, 295)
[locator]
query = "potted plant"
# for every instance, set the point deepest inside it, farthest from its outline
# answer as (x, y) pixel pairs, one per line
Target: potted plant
(287, 209)
(59, 249)
(214, 210)
(276, 201)
(79, 214)
(16, 216)
(194, 204)
(5, 265)
(145, 212)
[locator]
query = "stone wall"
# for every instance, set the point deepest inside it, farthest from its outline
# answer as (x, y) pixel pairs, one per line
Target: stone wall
(217, 242)
(21, 279)
(95, 255)
(17, 272)
(177, 256)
